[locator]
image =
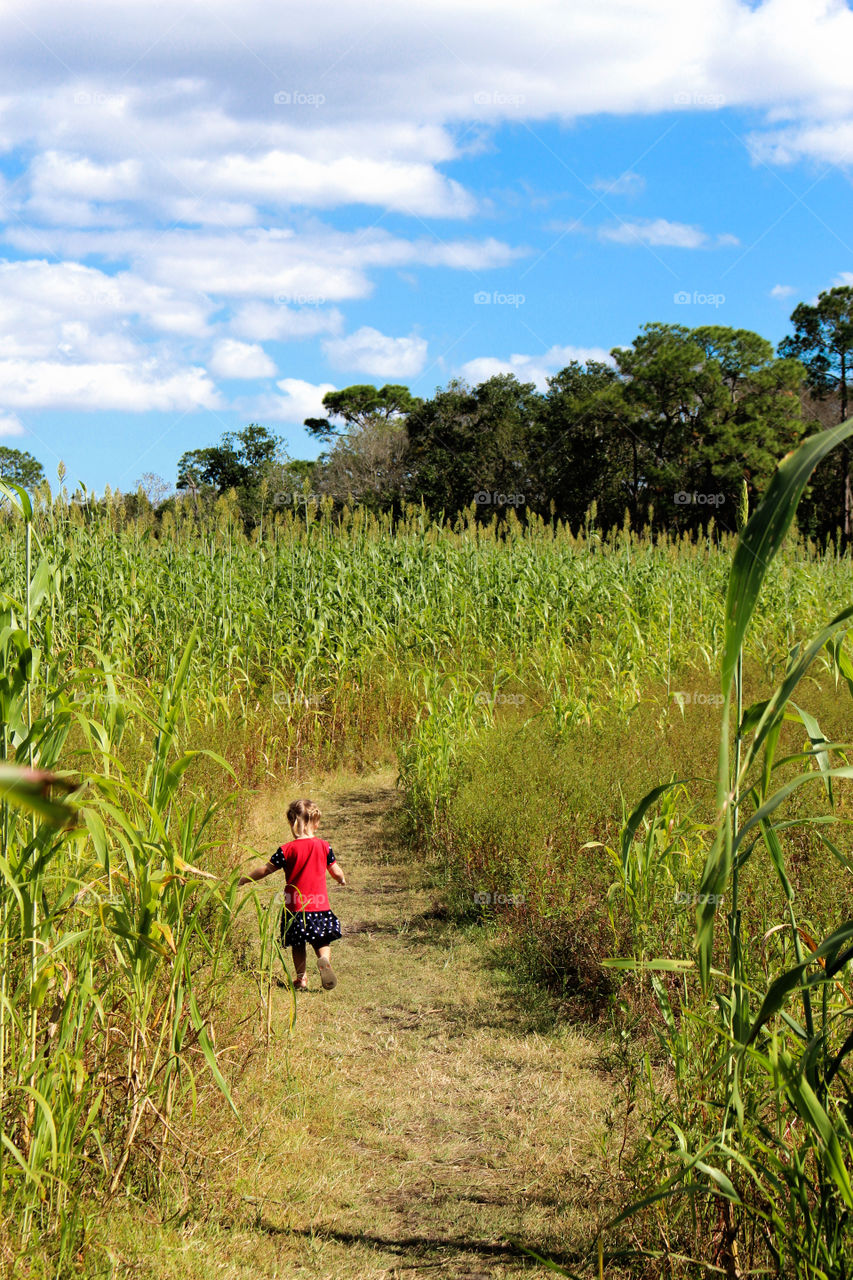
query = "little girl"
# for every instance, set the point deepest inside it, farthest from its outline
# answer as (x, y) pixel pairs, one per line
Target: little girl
(307, 916)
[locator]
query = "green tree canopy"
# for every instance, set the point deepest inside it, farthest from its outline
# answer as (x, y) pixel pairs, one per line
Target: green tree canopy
(241, 461)
(705, 409)
(20, 467)
(584, 451)
(823, 342)
(469, 444)
(358, 405)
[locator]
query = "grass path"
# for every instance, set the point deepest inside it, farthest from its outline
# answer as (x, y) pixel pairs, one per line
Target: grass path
(420, 1120)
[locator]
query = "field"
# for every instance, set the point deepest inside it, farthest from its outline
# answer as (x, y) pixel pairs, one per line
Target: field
(167, 687)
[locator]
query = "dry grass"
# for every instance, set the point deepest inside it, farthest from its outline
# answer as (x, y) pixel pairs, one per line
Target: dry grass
(417, 1120)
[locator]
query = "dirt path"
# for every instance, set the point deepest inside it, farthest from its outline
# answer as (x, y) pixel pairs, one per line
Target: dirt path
(417, 1121)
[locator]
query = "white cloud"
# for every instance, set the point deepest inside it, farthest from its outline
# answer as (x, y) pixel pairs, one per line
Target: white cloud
(37, 298)
(535, 369)
(299, 400)
(519, 63)
(827, 142)
(116, 151)
(371, 352)
(660, 232)
(201, 211)
(232, 359)
(282, 178)
(284, 323)
(782, 291)
(259, 263)
(135, 388)
(11, 425)
(53, 174)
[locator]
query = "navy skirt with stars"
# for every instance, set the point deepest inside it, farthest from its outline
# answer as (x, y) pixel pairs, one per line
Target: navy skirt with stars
(318, 928)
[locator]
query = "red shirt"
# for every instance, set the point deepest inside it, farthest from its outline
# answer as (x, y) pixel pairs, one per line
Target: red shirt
(304, 862)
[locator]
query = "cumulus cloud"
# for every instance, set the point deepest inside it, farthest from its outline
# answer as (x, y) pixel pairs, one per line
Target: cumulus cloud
(314, 112)
(828, 142)
(284, 323)
(320, 263)
(332, 65)
(198, 192)
(11, 425)
(782, 291)
(369, 351)
(233, 359)
(298, 400)
(135, 388)
(54, 174)
(282, 178)
(535, 369)
(37, 298)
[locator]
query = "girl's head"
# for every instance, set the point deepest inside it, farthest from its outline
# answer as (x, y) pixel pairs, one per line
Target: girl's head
(304, 817)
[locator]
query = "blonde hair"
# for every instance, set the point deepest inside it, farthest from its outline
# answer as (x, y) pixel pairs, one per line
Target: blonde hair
(303, 814)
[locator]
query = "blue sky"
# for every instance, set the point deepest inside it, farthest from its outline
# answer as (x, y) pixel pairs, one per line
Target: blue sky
(213, 214)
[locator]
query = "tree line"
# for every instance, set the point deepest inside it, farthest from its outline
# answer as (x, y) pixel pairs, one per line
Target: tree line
(664, 437)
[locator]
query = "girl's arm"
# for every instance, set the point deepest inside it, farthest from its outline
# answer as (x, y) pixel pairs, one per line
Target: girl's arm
(257, 873)
(334, 870)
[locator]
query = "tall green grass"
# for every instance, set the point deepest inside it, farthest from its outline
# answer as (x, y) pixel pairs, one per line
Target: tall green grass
(740, 1008)
(110, 932)
(768, 1044)
(140, 663)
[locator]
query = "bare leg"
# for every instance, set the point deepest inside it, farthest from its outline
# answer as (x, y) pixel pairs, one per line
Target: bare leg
(324, 964)
(299, 964)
